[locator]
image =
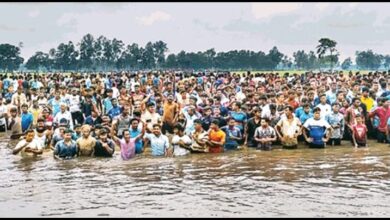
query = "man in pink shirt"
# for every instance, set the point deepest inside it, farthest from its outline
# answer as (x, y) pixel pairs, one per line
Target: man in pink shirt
(383, 113)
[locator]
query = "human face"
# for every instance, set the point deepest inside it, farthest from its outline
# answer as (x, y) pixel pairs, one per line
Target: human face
(126, 135)
(317, 115)
(30, 136)
(306, 109)
(287, 112)
(63, 108)
(359, 120)
(232, 123)
(198, 126)
(213, 126)
(336, 108)
(151, 109)
(156, 130)
(24, 109)
(134, 124)
(264, 123)
(103, 137)
(357, 103)
(258, 114)
(323, 99)
(67, 136)
(86, 131)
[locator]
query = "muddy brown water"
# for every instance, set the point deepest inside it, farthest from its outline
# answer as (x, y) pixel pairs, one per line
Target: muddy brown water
(336, 181)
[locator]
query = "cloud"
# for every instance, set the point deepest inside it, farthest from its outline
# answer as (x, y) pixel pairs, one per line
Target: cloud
(34, 13)
(266, 10)
(154, 17)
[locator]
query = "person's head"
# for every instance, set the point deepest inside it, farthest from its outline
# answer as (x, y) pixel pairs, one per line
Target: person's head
(67, 134)
(156, 129)
(386, 102)
(114, 102)
(77, 129)
(170, 98)
(231, 122)
(333, 86)
(109, 93)
(306, 108)
(264, 122)
(356, 102)
(336, 107)
(126, 109)
(63, 107)
(291, 94)
(316, 113)
(288, 110)
(86, 130)
(359, 119)
(198, 124)
(103, 135)
(178, 130)
(126, 135)
(191, 110)
(237, 106)
(134, 123)
(14, 112)
(20, 90)
(207, 111)
(323, 99)
(151, 107)
(30, 134)
(24, 108)
(217, 112)
(214, 125)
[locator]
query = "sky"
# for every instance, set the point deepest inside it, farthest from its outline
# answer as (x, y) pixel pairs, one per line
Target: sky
(201, 26)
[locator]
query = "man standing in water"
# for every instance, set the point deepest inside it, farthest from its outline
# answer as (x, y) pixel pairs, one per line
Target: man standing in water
(319, 130)
(127, 144)
(199, 138)
(265, 135)
(216, 139)
(67, 148)
(288, 129)
(28, 146)
(158, 142)
(86, 143)
(104, 147)
(14, 124)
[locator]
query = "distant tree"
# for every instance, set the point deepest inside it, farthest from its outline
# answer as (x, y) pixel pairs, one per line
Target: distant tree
(38, 60)
(10, 58)
(87, 51)
(301, 59)
(386, 61)
(275, 57)
(347, 63)
(368, 60)
(327, 52)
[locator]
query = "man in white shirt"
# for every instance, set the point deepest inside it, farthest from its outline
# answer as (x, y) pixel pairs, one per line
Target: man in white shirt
(181, 143)
(3, 115)
(326, 109)
(64, 114)
(74, 107)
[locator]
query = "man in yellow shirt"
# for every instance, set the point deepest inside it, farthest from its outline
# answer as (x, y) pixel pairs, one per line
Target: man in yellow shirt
(35, 110)
(366, 99)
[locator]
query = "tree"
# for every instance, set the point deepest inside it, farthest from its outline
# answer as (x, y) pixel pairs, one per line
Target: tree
(66, 56)
(38, 60)
(274, 57)
(10, 59)
(368, 60)
(386, 61)
(301, 59)
(87, 51)
(347, 63)
(160, 48)
(327, 52)
(171, 61)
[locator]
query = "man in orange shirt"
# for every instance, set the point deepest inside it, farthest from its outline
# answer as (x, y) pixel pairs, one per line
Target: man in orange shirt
(171, 114)
(216, 138)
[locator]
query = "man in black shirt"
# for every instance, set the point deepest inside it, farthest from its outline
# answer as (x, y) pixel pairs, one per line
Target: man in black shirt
(104, 147)
(251, 126)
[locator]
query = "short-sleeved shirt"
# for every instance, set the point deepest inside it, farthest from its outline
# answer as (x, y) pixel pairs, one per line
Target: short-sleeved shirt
(33, 145)
(158, 144)
(289, 128)
(217, 136)
(100, 151)
(64, 150)
(360, 133)
(177, 149)
(317, 129)
(86, 145)
(138, 144)
(267, 132)
(127, 149)
(27, 120)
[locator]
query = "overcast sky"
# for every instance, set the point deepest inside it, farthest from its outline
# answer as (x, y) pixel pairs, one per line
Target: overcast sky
(201, 26)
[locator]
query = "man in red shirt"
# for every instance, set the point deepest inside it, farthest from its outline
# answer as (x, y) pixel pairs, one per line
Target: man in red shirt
(383, 113)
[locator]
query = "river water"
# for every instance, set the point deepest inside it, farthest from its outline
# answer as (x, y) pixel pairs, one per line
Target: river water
(337, 181)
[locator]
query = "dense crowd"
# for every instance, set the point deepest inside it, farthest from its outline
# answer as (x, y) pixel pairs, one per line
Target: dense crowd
(178, 113)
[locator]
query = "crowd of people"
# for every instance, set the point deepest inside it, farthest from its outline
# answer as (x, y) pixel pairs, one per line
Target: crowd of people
(178, 113)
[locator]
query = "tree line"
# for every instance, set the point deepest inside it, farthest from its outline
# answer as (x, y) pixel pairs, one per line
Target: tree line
(103, 54)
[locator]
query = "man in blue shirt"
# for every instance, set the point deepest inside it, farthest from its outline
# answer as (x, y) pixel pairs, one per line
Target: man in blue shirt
(115, 110)
(66, 148)
(134, 132)
(158, 142)
(319, 130)
(233, 135)
(27, 118)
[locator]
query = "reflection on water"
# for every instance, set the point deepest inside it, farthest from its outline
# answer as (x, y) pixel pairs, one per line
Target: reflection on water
(331, 182)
